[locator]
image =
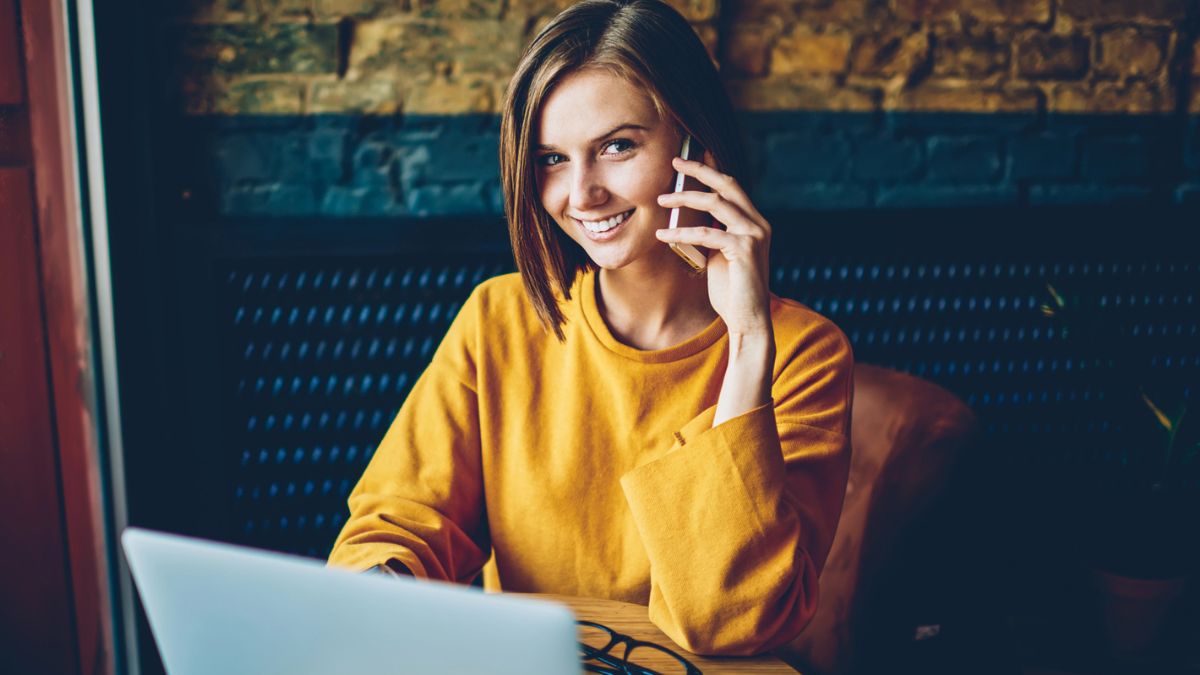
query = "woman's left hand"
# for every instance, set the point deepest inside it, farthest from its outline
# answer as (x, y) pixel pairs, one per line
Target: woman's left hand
(738, 257)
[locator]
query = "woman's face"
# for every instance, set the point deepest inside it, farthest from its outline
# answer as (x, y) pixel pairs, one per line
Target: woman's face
(602, 156)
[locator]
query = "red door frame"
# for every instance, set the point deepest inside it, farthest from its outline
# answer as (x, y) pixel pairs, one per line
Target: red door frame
(56, 608)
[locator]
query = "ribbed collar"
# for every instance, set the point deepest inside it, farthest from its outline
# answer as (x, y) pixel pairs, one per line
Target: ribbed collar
(585, 292)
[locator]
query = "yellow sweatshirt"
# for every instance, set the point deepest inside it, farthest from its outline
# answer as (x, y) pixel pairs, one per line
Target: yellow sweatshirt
(591, 468)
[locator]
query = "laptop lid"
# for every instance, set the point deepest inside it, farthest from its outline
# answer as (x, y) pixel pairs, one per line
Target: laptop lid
(218, 608)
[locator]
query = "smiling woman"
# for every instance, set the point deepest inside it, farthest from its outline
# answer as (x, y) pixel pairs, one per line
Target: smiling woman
(608, 422)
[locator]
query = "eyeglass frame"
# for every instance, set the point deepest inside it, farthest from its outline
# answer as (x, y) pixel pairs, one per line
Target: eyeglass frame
(623, 665)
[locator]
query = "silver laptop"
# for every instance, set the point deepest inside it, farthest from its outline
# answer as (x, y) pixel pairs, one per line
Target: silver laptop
(216, 608)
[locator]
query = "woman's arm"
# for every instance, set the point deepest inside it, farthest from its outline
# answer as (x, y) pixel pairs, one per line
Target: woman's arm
(738, 287)
(738, 518)
(419, 503)
(747, 383)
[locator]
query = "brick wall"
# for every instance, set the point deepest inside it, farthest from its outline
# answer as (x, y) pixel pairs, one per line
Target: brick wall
(848, 103)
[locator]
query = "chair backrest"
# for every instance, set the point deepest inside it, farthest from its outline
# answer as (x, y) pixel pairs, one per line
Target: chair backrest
(905, 435)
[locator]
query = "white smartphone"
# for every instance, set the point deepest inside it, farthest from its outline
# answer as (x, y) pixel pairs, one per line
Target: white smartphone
(695, 258)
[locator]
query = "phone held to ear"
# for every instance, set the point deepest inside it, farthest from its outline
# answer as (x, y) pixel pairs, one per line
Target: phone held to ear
(683, 217)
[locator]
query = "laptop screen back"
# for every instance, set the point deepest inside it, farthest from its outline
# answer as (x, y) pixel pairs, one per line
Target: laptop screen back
(217, 608)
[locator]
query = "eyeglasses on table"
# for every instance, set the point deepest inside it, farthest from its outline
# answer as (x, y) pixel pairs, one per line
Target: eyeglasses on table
(597, 643)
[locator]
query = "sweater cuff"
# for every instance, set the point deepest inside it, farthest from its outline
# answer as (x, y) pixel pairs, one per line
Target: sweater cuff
(745, 448)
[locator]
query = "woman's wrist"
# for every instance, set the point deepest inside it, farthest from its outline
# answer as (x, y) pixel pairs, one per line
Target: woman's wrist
(747, 383)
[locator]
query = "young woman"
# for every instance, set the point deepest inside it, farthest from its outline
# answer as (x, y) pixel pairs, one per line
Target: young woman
(607, 422)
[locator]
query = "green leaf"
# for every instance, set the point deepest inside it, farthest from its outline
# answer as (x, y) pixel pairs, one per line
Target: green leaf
(1159, 414)
(1058, 298)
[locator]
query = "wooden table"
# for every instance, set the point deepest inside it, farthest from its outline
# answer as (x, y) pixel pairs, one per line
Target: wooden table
(633, 620)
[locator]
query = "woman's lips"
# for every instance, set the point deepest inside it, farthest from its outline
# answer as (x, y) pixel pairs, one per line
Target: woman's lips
(607, 234)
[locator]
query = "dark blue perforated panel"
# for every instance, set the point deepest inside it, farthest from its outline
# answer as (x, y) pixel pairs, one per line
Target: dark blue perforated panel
(318, 352)
(318, 356)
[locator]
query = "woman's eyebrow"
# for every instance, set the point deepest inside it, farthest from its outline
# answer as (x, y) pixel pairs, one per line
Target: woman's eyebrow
(610, 132)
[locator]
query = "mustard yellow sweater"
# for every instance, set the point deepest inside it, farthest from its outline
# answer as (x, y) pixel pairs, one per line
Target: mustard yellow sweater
(591, 468)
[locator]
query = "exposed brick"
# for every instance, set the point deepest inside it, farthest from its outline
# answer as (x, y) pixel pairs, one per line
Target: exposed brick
(786, 94)
(1106, 159)
(992, 11)
(435, 200)
(1106, 11)
(442, 96)
(458, 158)
(937, 196)
(887, 159)
(1079, 194)
(746, 48)
(696, 10)
(1130, 52)
(375, 165)
(416, 49)
(1110, 97)
(1049, 56)
(776, 195)
(1041, 157)
(256, 165)
(804, 51)
(344, 201)
(296, 49)
(260, 97)
(963, 159)
(807, 11)
(336, 9)
(273, 199)
(458, 9)
(211, 11)
(807, 158)
(326, 152)
(373, 96)
(970, 54)
(890, 54)
(937, 97)
(273, 10)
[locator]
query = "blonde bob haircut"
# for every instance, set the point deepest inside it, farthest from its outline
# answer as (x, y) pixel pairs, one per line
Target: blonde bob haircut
(650, 45)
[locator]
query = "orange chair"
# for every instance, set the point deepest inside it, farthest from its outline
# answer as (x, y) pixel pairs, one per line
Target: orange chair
(905, 435)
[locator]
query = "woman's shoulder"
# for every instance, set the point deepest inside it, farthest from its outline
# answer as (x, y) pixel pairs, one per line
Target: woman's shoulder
(501, 302)
(798, 328)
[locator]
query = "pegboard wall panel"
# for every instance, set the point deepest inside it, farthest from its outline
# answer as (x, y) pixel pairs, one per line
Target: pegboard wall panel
(318, 353)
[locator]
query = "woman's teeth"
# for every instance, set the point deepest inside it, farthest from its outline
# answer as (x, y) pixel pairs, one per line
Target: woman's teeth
(605, 225)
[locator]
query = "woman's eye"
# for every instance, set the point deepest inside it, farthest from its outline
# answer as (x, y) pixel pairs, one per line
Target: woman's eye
(618, 146)
(550, 160)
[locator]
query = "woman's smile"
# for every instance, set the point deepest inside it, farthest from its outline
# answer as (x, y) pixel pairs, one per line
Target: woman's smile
(603, 230)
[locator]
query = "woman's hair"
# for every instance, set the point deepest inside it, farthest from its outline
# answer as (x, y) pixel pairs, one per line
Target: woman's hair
(647, 43)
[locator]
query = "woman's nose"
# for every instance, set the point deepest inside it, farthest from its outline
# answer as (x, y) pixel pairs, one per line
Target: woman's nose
(587, 188)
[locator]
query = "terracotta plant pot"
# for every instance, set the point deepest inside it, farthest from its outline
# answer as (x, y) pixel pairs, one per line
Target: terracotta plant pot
(1134, 613)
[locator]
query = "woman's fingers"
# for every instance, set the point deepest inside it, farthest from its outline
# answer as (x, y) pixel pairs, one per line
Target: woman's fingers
(722, 184)
(732, 246)
(728, 214)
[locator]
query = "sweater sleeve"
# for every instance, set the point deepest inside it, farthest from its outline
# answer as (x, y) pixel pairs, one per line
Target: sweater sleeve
(420, 500)
(737, 520)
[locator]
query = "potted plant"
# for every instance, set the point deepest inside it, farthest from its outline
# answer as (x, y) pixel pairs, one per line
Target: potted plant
(1140, 515)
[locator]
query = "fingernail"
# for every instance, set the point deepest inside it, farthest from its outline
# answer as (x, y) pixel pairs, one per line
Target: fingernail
(663, 198)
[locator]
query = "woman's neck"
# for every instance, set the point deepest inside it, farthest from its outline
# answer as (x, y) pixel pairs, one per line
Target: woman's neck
(654, 306)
